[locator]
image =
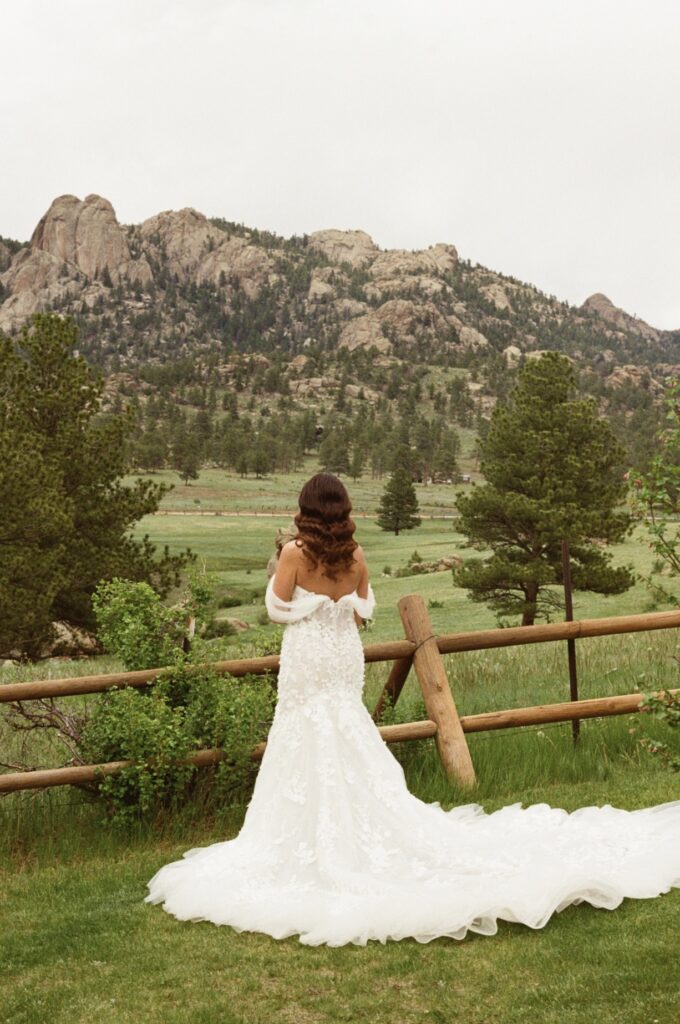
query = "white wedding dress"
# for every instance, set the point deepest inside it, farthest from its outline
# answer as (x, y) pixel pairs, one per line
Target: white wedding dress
(334, 848)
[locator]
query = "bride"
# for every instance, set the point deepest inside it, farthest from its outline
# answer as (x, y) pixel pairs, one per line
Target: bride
(335, 849)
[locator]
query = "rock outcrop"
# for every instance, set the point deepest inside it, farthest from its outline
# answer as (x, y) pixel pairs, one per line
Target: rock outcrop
(5, 256)
(438, 259)
(76, 243)
(365, 332)
(180, 239)
(238, 260)
(353, 247)
(637, 377)
(618, 318)
(497, 294)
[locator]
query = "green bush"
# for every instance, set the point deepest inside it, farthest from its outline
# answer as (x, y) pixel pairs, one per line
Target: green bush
(666, 707)
(187, 708)
(219, 628)
(134, 623)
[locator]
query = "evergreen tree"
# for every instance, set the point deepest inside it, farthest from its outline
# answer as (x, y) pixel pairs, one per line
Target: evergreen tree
(186, 457)
(67, 516)
(358, 461)
(554, 471)
(151, 450)
(398, 509)
(446, 456)
(334, 452)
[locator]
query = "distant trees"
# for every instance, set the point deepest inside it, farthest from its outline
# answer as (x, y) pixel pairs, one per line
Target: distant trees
(196, 427)
(67, 515)
(398, 509)
(553, 471)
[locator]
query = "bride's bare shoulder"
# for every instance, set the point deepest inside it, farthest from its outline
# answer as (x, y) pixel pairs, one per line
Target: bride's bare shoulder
(290, 552)
(359, 555)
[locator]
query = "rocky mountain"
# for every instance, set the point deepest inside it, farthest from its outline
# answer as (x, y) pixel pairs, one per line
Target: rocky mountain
(181, 284)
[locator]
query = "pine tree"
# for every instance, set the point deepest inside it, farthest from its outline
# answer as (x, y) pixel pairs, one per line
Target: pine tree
(67, 516)
(186, 457)
(398, 509)
(334, 452)
(358, 462)
(554, 471)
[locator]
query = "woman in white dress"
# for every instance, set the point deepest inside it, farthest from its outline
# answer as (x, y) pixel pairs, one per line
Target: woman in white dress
(335, 849)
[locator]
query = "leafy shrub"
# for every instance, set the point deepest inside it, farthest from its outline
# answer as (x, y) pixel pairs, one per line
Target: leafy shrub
(415, 557)
(187, 708)
(134, 623)
(665, 707)
(387, 570)
(219, 628)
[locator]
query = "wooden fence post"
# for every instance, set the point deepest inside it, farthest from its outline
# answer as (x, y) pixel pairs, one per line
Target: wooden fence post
(394, 685)
(441, 707)
(571, 643)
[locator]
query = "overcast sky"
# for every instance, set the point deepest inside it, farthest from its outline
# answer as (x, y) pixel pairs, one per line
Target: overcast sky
(540, 137)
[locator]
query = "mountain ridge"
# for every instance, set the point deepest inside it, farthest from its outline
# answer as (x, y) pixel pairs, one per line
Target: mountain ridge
(182, 283)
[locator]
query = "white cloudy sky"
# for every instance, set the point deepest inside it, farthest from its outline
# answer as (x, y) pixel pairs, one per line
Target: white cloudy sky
(541, 137)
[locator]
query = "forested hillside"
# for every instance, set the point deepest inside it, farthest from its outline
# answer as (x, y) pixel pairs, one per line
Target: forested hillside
(230, 340)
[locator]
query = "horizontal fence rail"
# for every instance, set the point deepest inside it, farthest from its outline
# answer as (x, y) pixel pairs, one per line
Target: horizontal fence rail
(84, 773)
(512, 636)
(567, 711)
(393, 650)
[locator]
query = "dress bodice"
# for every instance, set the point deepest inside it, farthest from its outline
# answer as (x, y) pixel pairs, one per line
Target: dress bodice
(322, 656)
(305, 603)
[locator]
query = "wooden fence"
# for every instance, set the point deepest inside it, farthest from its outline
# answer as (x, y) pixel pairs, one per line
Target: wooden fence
(422, 650)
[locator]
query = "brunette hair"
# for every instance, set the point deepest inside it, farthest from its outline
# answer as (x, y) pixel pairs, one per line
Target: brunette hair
(325, 526)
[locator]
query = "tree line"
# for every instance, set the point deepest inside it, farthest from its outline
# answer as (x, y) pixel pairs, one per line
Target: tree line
(168, 436)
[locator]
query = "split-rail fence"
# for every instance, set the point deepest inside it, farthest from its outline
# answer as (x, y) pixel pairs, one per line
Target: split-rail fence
(421, 650)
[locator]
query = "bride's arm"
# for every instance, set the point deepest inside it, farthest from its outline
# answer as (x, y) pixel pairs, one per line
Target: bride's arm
(362, 588)
(286, 571)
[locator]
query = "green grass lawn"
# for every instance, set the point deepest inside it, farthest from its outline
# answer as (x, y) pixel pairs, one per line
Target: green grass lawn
(78, 944)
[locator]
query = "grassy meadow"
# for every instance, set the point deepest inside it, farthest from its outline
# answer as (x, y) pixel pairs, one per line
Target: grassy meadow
(78, 944)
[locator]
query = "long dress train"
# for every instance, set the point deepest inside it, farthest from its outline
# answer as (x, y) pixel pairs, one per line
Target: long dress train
(334, 848)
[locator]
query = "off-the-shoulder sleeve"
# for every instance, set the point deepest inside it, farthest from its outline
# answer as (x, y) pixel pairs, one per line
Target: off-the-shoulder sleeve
(304, 604)
(363, 606)
(290, 611)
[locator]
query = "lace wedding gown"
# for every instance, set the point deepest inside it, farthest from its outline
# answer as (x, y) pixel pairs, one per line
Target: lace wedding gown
(335, 849)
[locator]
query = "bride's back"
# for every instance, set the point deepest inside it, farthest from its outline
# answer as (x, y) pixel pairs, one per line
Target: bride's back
(316, 579)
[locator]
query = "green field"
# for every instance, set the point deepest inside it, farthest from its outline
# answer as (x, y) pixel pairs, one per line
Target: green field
(219, 490)
(237, 549)
(79, 945)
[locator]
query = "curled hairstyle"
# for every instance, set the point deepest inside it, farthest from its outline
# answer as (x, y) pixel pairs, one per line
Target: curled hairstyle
(325, 526)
